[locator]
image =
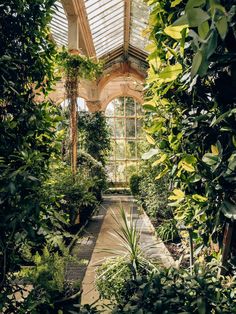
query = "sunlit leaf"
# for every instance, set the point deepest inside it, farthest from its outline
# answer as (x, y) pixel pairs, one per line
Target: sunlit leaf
(175, 31)
(171, 72)
(150, 139)
(152, 152)
(199, 198)
(214, 150)
(160, 160)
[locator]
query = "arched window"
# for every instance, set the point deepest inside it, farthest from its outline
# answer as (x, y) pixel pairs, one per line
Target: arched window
(124, 116)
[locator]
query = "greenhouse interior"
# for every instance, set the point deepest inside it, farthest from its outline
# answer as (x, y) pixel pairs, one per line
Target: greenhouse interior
(118, 156)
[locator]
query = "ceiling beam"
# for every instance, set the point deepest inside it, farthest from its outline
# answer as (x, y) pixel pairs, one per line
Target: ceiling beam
(127, 21)
(77, 8)
(85, 28)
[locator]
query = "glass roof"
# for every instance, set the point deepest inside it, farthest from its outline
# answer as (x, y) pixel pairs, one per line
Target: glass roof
(106, 20)
(138, 23)
(59, 25)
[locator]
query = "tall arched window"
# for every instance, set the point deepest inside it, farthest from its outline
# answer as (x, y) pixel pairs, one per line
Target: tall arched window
(124, 116)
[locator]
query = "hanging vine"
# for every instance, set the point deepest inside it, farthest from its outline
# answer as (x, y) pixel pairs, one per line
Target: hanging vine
(75, 67)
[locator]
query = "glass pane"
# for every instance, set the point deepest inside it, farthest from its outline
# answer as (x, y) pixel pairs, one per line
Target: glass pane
(120, 127)
(119, 105)
(111, 171)
(131, 150)
(110, 110)
(131, 168)
(113, 149)
(130, 106)
(130, 127)
(111, 124)
(139, 109)
(120, 171)
(120, 149)
(139, 128)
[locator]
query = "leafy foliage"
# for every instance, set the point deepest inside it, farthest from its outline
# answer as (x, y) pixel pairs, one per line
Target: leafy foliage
(96, 171)
(151, 195)
(168, 231)
(176, 291)
(27, 128)
(94, 135)
(190, 109)
(76, 65)
(129, 263)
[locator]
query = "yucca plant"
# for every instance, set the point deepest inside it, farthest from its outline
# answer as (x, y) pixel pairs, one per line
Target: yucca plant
(128, 261)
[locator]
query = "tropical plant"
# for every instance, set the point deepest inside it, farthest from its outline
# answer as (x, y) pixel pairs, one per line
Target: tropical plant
(27, 128)
(175, 291)
(96, 171)
(168, 231)
(127, 263)
(190, 104)
(94, 135)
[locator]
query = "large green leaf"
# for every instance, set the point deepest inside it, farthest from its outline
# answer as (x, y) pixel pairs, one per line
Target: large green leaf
(171, 72)
(229, 210)
(194, 3)
(210, 159)
(196, 17)
(222, 26)
(203, 29)
(175, 31)
(197, 60)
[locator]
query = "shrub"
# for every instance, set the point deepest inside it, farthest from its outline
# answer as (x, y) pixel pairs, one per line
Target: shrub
(94, 135)
(72, 196)
(96, 171)
(134, 184)
(111, 277)
(176, 291)
(153, 195)
(168, 231)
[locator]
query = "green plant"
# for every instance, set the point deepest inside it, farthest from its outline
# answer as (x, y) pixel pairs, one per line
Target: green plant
(111, 277)
(168, 231)
(153, 195)
(129, 263)
(94, 135)
(27, 128)
(176, 291)
(134, 184)
(96, 170)
(190, 102)
(72, 196)
(49, 292)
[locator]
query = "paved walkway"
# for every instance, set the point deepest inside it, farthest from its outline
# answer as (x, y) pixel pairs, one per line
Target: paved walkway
(97, 237)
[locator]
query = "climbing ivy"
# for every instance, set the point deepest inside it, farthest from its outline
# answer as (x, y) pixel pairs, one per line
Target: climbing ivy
(190, 104)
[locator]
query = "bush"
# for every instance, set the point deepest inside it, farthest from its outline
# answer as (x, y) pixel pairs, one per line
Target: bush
(111, 277)
(152, 195)
(94, 135)
(168, 231)
(134, 184)
(176, 291)
(95, 170)
(72, 196)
